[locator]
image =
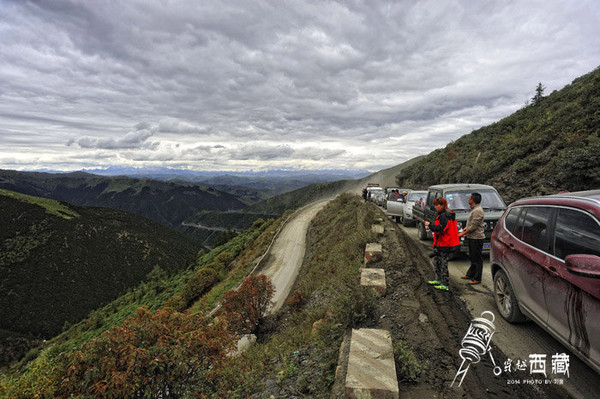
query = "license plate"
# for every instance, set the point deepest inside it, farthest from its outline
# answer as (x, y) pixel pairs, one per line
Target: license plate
(487, 245)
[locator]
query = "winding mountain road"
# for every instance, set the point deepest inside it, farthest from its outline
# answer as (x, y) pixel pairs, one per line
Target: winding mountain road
(287, 253)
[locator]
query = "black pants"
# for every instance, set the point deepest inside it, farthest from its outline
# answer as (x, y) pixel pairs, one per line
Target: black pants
(475, 253)
(440, 267)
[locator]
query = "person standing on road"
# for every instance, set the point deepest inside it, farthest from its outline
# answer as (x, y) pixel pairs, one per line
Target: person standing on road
(445, 239)
(475, 236)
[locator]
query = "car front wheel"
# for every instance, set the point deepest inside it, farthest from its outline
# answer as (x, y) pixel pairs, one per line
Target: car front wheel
(506, 301)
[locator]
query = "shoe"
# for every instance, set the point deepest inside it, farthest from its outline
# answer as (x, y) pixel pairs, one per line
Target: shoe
(433, 282)
(465, 277)
(442, 287)
(473, 282)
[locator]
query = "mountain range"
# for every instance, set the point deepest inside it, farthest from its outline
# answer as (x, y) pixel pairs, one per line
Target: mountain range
(58, 261)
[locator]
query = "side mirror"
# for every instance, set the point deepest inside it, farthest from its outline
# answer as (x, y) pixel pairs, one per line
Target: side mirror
(583, 265)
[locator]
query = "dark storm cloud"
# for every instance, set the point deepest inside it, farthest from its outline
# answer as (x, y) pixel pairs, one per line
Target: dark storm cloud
(251, 84)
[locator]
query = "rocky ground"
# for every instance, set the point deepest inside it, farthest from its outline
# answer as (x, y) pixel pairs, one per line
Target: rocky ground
(426, 325)
(432, 324)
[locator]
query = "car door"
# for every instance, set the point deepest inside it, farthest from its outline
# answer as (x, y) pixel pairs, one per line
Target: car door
(573, 313)
(527, 263)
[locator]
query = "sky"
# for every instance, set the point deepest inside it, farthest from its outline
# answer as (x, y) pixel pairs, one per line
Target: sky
(282, 84)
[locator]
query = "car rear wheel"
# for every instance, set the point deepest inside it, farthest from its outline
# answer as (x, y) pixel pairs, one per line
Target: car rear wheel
(506, 301)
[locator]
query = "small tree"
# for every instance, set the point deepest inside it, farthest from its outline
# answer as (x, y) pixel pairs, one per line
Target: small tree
(539, 94)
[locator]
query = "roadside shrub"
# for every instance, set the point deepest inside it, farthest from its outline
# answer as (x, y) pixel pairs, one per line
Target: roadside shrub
(244, 309)
(224, 259)
(199, 283)
(162, 354)
(408, 367)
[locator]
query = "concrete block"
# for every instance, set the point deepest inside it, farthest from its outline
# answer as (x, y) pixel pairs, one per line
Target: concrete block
(377, 229)
(373, 252)
(373, 278)
(371, 368)
(379, 220)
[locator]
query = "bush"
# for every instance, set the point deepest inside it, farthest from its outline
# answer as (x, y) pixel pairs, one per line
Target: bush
(158, 354)
(244, 309)
(408, 367)
(200, 282)
(224, 259)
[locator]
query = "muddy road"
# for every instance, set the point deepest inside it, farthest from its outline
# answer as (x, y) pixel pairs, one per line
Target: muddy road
(435, 322)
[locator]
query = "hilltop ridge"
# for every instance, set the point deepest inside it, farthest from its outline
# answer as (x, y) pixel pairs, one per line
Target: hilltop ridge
(540, 149)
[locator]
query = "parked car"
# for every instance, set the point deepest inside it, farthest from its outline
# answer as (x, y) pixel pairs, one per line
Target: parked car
(376, 194)
(390, 195)
(402, 210)
(458, 200)
(545, 263)
(373, 192)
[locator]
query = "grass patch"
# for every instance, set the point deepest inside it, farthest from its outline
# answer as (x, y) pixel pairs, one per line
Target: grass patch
(52, 207)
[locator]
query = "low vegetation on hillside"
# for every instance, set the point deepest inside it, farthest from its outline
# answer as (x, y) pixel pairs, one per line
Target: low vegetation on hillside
(548, 146)
(163, 301)
(59, 262)
(158, 340)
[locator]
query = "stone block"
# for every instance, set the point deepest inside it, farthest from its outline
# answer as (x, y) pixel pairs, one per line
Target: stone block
(373, 252)
(371, 368)
(374, 278)
(377, 229)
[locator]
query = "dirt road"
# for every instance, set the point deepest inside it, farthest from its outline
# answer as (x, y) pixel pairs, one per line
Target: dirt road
(516, 341)
(287, 253)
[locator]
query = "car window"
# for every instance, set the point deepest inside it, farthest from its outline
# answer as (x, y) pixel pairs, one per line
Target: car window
(576, 233)
(459, 200)
(414, 196)
(432, 195)
(535, 227)
(510, 221)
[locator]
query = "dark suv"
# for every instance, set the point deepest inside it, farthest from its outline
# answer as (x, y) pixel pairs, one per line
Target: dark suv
(545, 260)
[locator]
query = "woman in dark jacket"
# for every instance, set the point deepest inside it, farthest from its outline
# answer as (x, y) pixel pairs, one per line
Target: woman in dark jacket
(445, 239)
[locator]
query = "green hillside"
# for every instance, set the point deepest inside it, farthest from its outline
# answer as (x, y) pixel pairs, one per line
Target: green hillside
(167, 203)
(192, 291)
(271, 207)
(541, 149)
(171, 346)
(59, 262)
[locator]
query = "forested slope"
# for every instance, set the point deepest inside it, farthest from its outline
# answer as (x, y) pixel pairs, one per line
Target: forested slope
(541, 149)
(58, 262)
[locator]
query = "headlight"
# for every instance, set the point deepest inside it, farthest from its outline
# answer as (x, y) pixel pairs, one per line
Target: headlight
(459, 225)
(485, 225)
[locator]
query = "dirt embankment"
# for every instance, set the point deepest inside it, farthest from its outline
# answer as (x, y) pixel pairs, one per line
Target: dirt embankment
(432, 324)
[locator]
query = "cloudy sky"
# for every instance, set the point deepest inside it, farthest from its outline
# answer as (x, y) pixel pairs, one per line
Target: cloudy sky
(298, 84)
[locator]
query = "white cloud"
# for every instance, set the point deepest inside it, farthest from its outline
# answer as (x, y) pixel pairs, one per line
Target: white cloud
(249, 84)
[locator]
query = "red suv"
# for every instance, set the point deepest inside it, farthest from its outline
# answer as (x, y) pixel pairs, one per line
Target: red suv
(545, 259)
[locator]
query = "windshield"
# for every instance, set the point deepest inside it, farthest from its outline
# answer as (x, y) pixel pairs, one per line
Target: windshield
(459, 200)
(415, 195)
